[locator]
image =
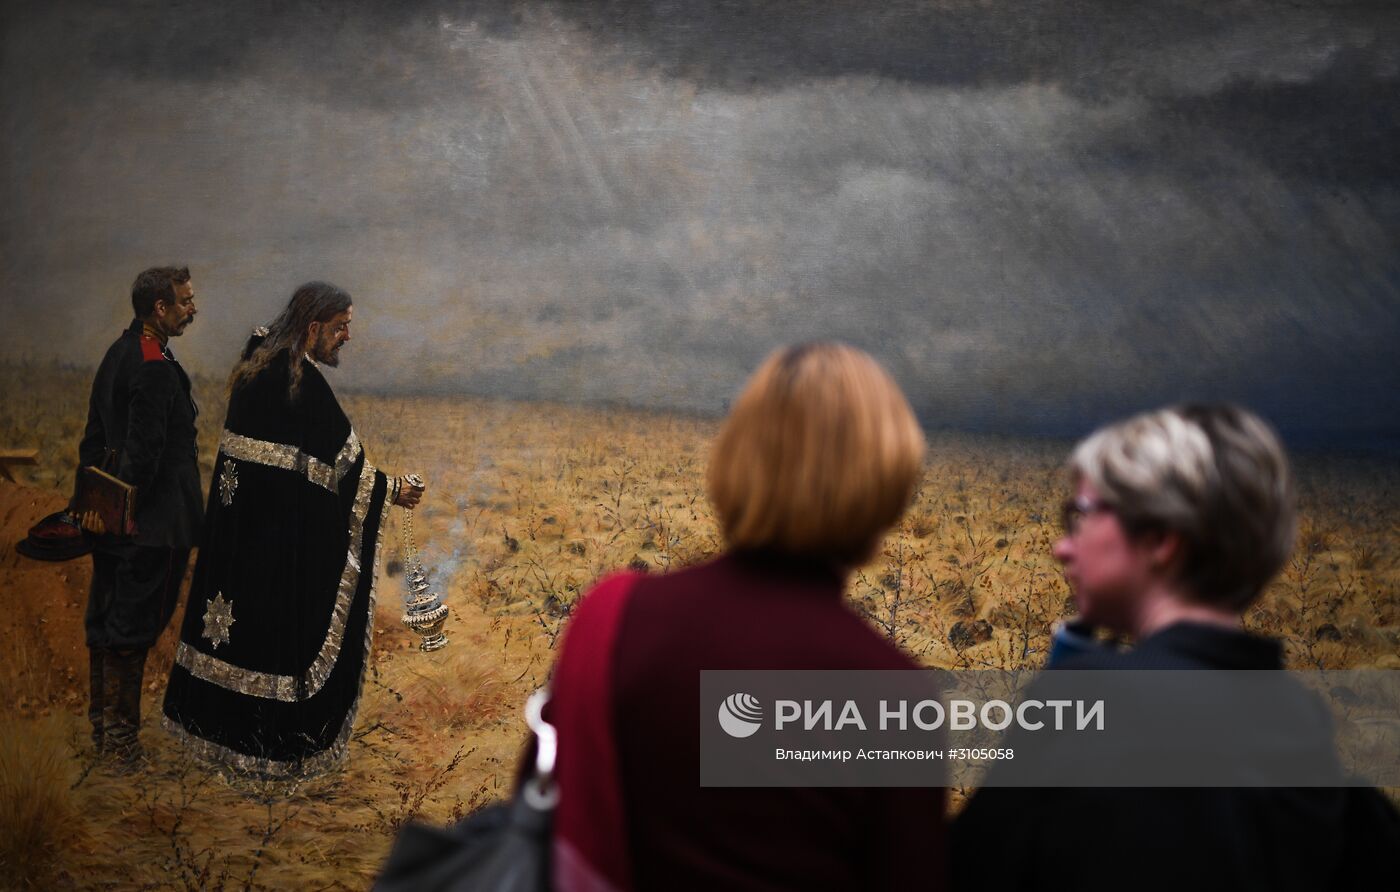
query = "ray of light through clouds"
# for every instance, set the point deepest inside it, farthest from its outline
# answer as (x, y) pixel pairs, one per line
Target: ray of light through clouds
(1038, 215)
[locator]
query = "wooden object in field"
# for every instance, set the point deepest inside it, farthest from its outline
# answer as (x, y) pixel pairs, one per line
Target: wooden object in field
(10, 457)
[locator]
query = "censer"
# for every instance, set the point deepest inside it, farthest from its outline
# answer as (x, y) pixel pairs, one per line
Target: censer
(424, 612)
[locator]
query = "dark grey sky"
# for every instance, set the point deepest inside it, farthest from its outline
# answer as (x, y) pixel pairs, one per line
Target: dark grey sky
(1037, 214)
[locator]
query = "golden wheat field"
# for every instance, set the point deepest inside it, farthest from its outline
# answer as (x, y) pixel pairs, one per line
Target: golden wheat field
(527, 504)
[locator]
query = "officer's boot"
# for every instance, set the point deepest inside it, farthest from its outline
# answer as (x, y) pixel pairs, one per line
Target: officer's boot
(96, 697)
(123, 671)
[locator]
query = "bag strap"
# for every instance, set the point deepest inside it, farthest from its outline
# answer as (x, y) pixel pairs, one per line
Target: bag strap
(539, 787)
(590, 829)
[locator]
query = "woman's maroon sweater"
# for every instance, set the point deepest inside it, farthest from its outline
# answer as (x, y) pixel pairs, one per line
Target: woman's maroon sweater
(750, 611)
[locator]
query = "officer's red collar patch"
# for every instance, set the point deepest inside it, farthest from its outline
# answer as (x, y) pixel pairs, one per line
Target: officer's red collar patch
(151, 349)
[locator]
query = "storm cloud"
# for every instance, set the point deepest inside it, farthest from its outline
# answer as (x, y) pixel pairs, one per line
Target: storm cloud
(1038, 215)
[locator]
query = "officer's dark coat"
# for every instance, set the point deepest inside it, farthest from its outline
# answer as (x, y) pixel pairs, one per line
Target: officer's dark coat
(141, 427)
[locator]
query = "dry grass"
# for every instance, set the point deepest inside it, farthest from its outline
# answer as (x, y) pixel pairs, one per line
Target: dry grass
(37, 816)
(527, 505)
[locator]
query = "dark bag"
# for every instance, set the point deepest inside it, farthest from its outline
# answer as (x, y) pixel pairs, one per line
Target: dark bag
(502, 848)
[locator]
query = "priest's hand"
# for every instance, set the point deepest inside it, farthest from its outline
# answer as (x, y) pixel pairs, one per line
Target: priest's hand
(410, 493)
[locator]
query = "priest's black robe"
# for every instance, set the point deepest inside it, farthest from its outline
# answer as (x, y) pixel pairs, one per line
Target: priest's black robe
(277, 629)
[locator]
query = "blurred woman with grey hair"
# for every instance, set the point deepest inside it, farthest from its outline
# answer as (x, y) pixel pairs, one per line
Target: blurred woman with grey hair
(1179, 517)
(1178, 521)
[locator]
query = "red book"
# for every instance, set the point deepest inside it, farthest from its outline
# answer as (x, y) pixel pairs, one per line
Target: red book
(114, 501)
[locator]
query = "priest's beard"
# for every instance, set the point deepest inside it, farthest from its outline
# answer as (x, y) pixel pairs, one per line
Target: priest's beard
(327, 350)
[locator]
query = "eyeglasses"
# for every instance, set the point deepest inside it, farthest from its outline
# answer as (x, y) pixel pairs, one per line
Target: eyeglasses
(1073, 512)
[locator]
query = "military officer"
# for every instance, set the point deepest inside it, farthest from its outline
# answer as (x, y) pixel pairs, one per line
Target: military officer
(141, 428)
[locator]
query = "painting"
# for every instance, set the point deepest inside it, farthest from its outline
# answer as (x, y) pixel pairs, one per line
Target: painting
(572, 230)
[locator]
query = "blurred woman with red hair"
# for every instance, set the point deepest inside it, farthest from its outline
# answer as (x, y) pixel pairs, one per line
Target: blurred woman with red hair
(819, 457)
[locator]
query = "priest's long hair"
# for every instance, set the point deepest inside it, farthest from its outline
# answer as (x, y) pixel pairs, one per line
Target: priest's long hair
(288, 334)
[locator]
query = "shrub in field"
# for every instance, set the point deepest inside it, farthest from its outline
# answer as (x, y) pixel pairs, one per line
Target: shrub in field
(36, 811)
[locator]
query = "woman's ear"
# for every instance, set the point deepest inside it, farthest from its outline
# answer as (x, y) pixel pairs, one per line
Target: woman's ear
(1164, 548)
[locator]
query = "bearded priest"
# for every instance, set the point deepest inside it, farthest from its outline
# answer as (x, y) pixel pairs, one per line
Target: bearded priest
(277, 628)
